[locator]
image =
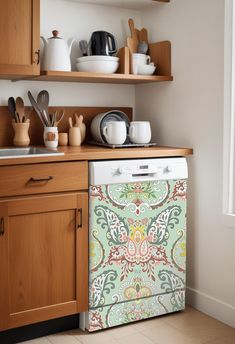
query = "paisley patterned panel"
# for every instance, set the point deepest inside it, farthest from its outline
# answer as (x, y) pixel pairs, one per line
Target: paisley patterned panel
(126, 312)
(137, 247)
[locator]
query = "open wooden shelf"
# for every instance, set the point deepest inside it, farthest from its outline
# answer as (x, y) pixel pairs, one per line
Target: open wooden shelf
(159, 52)
(100, 78)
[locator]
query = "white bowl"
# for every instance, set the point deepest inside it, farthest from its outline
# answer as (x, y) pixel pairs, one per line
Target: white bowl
(107, 67)
(97, 58)
(146, 69)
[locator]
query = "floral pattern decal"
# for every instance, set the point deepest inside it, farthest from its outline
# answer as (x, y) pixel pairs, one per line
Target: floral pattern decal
(137, 261)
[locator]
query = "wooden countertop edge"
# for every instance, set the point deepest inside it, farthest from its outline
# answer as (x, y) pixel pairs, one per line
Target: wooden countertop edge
(89, 152)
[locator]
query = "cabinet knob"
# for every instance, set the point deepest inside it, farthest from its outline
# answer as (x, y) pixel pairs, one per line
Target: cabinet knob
(2, 229)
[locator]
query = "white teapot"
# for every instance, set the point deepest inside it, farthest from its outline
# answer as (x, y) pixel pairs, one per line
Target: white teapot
(56, 55)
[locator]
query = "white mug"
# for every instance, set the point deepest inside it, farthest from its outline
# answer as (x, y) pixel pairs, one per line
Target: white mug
(115, 132)
(139, 59)
(140, 132)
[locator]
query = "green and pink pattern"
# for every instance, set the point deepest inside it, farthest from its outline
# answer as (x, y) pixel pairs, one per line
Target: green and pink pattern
(137, 261)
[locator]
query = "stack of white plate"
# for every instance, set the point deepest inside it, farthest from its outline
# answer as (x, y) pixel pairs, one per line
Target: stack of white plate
(97, 64)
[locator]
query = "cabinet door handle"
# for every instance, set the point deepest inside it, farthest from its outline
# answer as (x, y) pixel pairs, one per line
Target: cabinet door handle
(2, 229)
(40, 180)
(37, 57)
(79, 218)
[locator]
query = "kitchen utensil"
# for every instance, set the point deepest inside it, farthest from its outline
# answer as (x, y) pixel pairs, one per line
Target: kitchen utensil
(27, 115)
(115, 132)
(20, 108)
(82, 127)
(36, 108)
(43, 102)
(143, 35)
(83, 47)
(140, 132)
(100, 121)
(106, 67)
(132, 42)
(21, 135)
(134, 31)
(57, 118)
(12, 109)
(56, 53)
(102, 43)
(142, 47)
(70, 122)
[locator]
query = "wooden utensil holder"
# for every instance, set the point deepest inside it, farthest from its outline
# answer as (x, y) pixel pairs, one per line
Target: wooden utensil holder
(159, 52)
(21, 134)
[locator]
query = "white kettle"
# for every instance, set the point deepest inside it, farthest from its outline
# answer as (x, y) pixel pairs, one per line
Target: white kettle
(56, 53)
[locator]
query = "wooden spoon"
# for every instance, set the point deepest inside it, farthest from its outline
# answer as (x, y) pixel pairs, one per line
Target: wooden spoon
(58, 119)
(12, 109)
(70, 122)
(20, 108)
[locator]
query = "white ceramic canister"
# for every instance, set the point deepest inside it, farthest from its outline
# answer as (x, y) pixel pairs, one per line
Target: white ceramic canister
(50, 136)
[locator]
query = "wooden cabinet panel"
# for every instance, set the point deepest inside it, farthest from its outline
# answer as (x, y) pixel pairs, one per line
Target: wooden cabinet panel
(19, 37)
(51, 177)
(50, 265)
(44, 252)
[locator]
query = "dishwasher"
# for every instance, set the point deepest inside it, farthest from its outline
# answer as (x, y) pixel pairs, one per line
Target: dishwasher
(137, 240)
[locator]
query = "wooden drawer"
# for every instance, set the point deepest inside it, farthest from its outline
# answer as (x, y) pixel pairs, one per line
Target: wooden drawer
(43, 178)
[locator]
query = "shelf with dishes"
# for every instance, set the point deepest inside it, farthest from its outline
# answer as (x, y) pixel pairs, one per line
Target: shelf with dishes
(160, 55)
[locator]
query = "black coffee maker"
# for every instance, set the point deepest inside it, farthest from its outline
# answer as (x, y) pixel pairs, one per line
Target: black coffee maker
(102, 43)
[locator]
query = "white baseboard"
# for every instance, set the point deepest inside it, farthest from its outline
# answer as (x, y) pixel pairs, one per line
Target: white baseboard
(211, 306)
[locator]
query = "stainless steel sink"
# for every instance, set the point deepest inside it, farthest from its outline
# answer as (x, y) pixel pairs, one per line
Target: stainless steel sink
(29, 152)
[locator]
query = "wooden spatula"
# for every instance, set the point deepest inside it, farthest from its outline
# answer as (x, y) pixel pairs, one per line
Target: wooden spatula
(132, 42)
(143, 36)
(134, 31)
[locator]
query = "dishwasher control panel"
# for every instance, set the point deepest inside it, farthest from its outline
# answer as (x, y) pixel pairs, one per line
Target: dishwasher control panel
(134, 170)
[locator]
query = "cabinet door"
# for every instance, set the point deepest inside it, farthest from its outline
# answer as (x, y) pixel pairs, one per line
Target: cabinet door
(43, 251)
(19, 38)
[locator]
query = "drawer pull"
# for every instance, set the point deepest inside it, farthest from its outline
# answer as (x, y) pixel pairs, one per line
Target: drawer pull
(2, 229)
(40, 180)
(79, 212)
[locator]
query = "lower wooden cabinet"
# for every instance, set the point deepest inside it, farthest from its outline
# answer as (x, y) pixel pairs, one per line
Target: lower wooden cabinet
(43, 258)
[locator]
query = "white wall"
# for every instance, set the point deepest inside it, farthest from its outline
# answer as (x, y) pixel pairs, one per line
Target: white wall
(189, 112)
(79, 21)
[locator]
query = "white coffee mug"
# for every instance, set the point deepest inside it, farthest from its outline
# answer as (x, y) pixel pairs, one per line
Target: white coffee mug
(140, 132)
(115, 132)
(139, 59)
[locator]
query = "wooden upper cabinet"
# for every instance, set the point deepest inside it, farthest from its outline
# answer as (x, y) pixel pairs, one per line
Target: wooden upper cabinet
(19, 38)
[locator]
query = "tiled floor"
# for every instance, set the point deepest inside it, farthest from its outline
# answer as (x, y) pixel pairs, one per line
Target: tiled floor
(187, 327)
